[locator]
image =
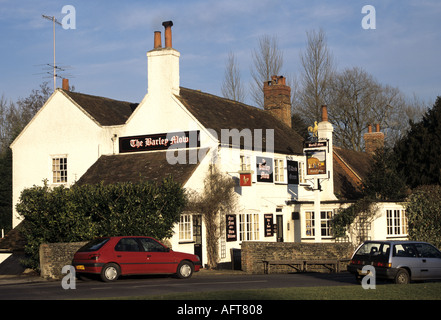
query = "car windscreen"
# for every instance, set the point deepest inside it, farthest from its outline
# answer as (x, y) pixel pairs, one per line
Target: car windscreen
(373, 251)
(94, 245)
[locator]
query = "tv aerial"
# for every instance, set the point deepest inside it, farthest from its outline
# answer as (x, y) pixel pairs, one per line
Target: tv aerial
(54, 66)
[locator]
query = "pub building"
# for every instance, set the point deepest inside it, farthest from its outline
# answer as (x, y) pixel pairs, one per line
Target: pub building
(288, 189)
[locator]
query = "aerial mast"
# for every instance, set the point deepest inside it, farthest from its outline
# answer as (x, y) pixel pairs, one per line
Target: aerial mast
(54, 21)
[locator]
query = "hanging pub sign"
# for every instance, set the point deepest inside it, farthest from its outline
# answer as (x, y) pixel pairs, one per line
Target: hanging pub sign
(315, 162)
(245, 178)
(315, 152)
(292, 171)
(264, 168)
(269, 224)
(314, 144)
(159, 141)
(231, 227)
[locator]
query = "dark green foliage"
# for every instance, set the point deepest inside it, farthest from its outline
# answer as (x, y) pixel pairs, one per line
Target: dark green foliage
(85, 212)
(6, 190)
(423, 211)
(346, 216)
(418, 153)
(383, 182)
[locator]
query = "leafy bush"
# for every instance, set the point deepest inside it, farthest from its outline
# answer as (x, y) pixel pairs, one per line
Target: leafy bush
(82, 213)
(423, 210)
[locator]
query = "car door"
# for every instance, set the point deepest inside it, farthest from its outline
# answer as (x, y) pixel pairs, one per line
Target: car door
(160, 259)
(430, 261)
(130, 256)
(405, 255)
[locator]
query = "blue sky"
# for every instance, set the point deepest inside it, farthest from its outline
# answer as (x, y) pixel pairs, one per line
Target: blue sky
(107, 50)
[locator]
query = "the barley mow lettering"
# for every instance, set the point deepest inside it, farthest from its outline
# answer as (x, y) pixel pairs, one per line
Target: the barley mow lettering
(159, 141)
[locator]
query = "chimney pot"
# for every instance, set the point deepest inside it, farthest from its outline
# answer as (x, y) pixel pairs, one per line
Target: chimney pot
(168, 34)
(157, 40)
(324, 113)
(65, 85)
(373, 140)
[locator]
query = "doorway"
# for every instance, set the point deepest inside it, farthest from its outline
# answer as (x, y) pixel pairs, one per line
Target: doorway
(279, 228)
(197, 235)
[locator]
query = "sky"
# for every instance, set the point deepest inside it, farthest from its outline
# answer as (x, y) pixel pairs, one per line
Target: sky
(105, 54)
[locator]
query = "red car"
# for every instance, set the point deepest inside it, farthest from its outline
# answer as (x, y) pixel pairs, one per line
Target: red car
(111, 257)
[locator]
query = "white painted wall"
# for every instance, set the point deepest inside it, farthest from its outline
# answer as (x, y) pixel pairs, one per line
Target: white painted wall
(59, 128)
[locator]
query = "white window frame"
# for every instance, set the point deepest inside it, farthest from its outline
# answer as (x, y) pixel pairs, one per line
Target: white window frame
(249, 227)
(396, 222)
(245, 162)
(186, 228)
(302, 172)
(325, 224)
(59, 171)
(279, 170)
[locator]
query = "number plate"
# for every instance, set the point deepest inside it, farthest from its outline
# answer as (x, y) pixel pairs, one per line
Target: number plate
(80, 267)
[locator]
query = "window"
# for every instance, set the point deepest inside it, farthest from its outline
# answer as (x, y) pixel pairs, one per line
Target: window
(396, 222)
(279, 172)
(245, 163)
(309, 220)
(185, 228)
(427, 251)
(301, 172)
(248, 227)
(404, 250)
(127, 244)
(325, 223)
(151, 245)
(59, 170)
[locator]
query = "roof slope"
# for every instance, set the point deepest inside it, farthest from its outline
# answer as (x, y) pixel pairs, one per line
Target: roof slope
(136, 167)
(350, 168)
(219, 113)
(107, 112)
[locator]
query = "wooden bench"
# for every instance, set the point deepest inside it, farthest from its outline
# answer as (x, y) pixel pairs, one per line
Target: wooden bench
(302, 265)
(296, 264)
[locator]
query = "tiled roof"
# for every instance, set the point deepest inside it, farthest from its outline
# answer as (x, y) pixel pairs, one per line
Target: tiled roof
(135, 167)
(350, 168)
(107, 112)
(219, 113)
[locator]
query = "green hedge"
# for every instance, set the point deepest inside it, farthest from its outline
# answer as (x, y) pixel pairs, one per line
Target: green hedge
(85, 212)
(423, 211)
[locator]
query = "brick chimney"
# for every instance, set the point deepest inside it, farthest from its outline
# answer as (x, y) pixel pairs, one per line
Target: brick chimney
(373, 140)
(65, 84)
(163, 65)
(277, 99)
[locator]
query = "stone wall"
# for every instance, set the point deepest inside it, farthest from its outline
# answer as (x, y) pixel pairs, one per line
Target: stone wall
(253, 253)
(54, 256)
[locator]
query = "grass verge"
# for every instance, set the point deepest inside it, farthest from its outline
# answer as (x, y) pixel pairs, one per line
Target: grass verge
(415, 291)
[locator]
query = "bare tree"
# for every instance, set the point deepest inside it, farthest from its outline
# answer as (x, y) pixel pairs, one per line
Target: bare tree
(232, 87)
(217, 199)
(267, 61)
(356, 100)
(318, 68)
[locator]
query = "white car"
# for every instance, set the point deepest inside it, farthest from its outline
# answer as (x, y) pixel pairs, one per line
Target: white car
(400, 261)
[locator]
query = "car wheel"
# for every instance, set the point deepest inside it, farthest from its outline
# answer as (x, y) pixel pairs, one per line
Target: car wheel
(402, 277)
(185, 270)
(110, 272)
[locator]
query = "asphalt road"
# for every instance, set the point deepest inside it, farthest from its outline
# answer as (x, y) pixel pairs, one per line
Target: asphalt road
(155, 285)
